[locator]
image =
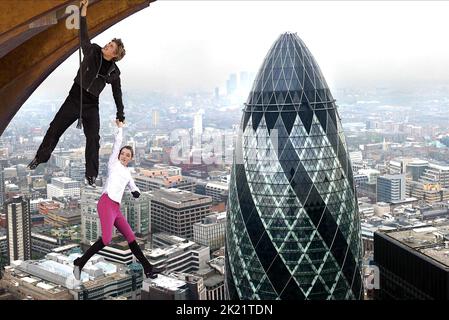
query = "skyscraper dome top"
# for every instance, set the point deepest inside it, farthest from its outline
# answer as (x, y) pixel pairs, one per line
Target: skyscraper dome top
(290, 70)
(293, 228)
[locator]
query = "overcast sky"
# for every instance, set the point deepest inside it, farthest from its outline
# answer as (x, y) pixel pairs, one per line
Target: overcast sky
(179, 46)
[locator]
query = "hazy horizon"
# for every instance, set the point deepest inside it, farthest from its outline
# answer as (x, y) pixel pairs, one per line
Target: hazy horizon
(195, 45)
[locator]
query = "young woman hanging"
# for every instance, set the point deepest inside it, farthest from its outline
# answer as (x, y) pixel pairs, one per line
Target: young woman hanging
(108, 207)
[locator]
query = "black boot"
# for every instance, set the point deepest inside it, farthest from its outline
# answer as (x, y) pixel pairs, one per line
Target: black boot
(34, 163)
(148, 269)
(79, 263)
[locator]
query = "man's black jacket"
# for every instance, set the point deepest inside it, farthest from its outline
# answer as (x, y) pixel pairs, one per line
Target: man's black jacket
(93, 82)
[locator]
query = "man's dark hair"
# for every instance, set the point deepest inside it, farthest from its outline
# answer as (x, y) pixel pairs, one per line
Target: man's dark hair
(120, 49)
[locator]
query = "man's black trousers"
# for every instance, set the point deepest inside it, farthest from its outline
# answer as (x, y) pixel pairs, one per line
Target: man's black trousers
(66, 116)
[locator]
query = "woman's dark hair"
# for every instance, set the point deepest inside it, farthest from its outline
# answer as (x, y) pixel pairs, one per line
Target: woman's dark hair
(129, 148)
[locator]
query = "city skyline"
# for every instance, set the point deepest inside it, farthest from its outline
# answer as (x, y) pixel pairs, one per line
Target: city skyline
(338, 164)
(365, 44)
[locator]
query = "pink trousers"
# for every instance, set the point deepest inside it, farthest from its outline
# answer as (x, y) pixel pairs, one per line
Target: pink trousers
(110, 215)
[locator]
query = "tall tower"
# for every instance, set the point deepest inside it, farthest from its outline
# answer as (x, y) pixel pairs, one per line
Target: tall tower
(231, 84)
(155, 118)
(18, 224)
(137, 213)
(293, 229)
(198, 123)
(3, 164)
(90, 221)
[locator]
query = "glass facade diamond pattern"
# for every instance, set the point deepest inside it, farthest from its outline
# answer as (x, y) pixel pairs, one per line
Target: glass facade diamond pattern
(293, 230)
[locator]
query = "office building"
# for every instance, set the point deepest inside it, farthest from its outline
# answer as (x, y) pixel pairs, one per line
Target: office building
(175, 211)
(18, 222)
(293, 228)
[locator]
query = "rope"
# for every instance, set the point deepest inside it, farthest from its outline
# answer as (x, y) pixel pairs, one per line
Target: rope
(80, 120)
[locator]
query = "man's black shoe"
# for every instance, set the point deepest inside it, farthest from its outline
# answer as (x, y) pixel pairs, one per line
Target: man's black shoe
(91, 181)
(33, 164)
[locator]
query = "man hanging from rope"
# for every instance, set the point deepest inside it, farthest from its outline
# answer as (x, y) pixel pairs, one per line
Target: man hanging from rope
(97, 68)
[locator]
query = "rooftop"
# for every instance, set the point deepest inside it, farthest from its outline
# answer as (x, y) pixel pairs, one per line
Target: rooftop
(66, 247)
(68, 213)
(169, 238)
(166, 282)
(182, 246)
(439, 167)
(177, 196)
(430, 241)
(406, 200)
(213, 280)
(217, 217)
(43, 237)
(57, 270)
(417, 162)
(64, 179)
(218, 185)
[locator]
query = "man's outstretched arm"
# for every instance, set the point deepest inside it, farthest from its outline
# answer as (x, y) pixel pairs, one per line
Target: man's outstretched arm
(86, 45)
(117, 94)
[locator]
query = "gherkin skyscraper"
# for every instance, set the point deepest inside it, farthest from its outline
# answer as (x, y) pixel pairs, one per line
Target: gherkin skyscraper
(293, 229)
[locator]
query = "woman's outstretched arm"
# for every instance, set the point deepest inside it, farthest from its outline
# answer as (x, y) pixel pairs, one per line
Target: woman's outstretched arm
(117, 143)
